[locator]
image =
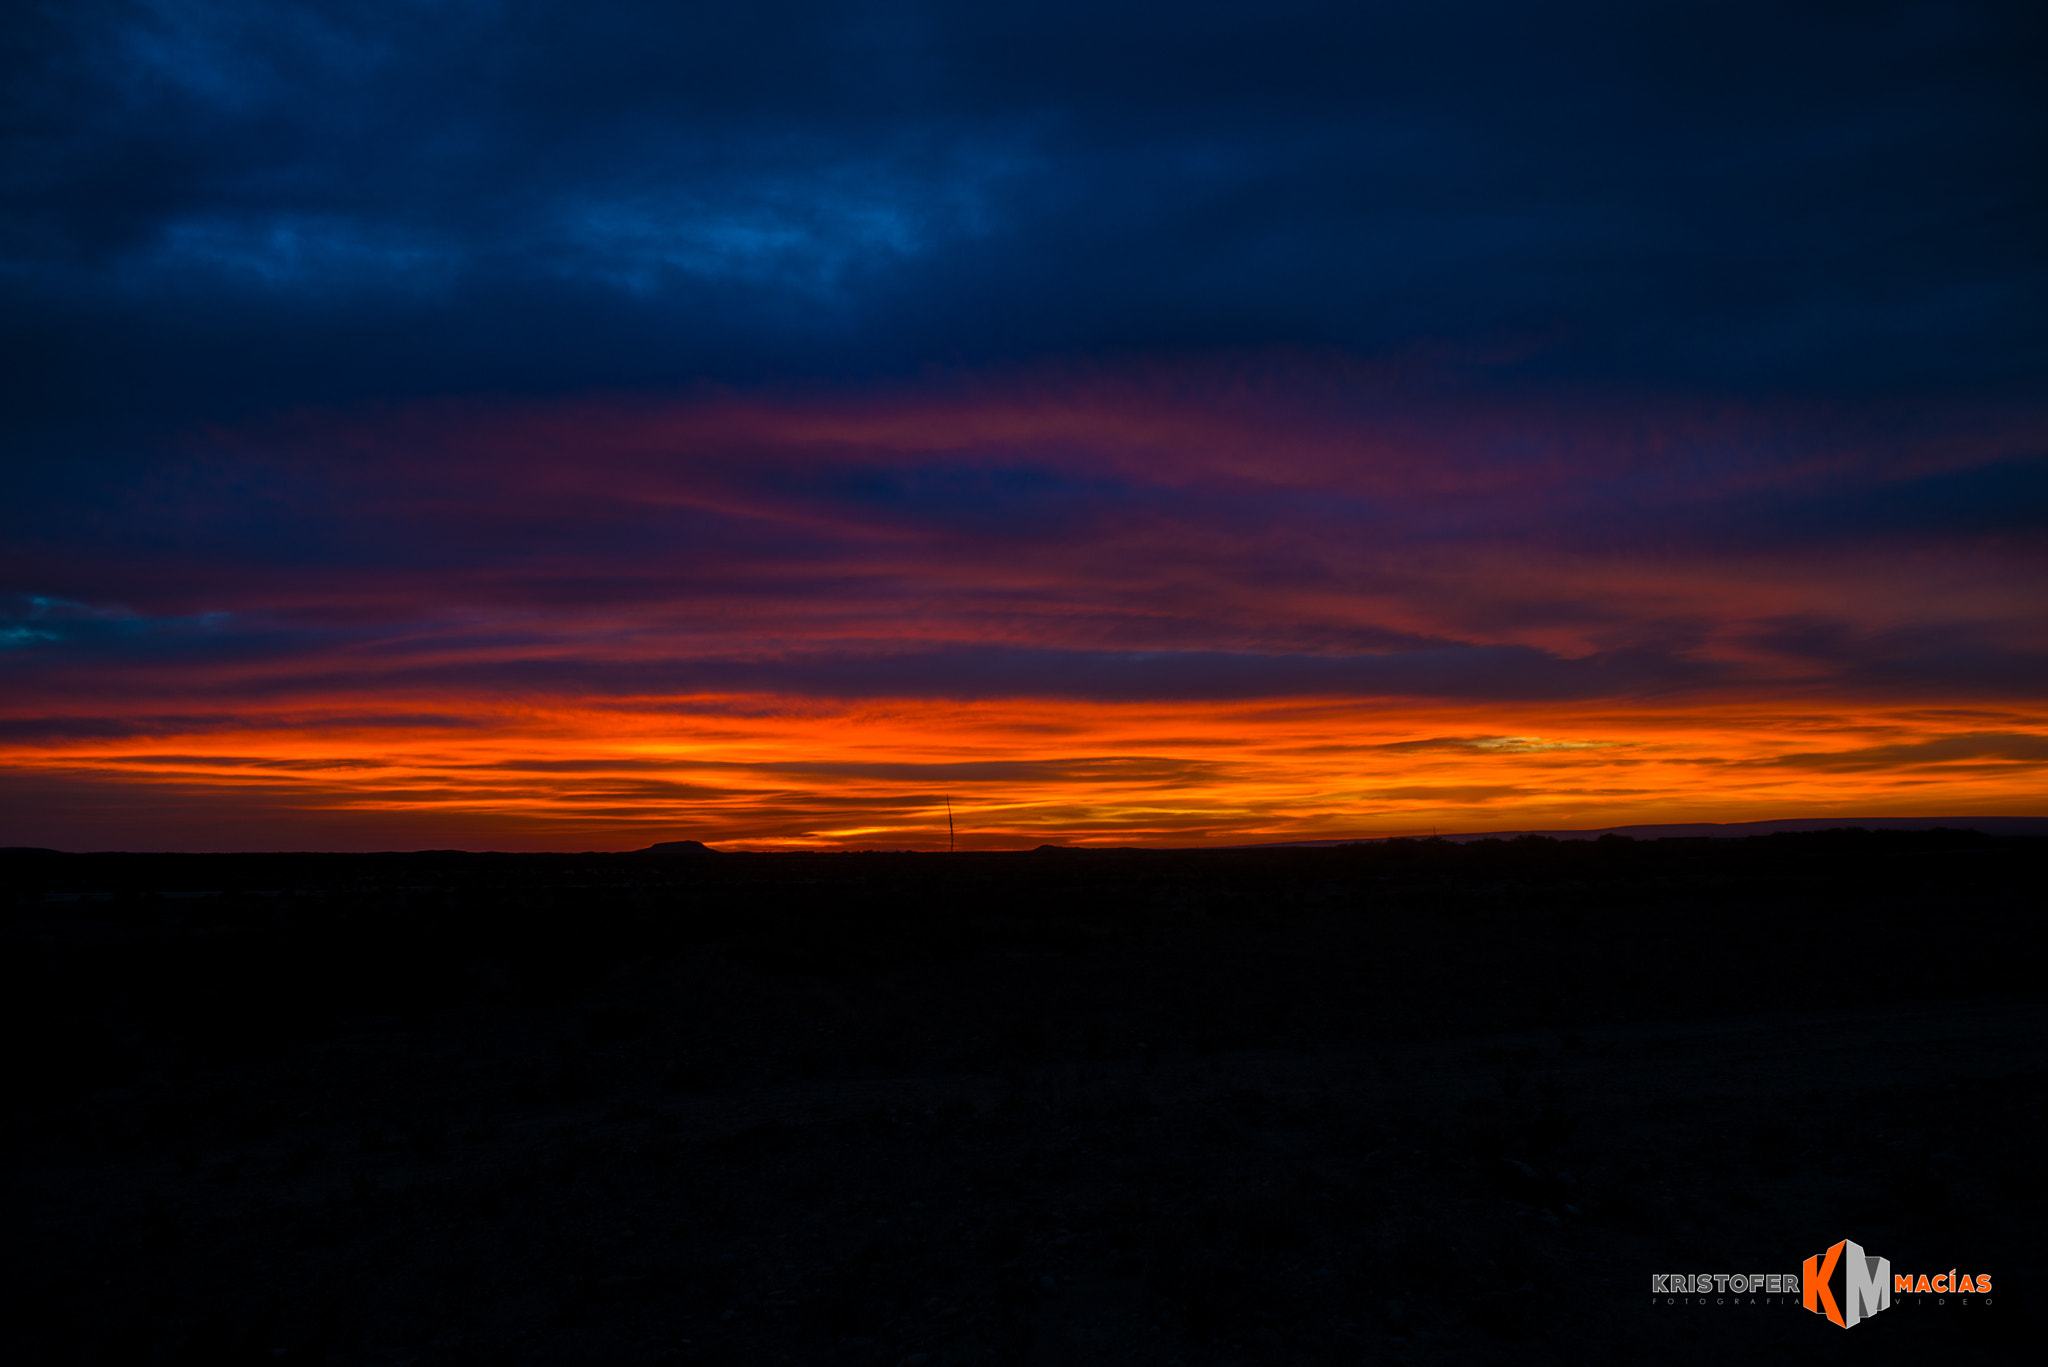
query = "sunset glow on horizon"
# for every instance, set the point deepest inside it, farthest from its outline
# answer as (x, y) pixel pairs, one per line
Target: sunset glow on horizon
(1219, 604)
(1019, 775)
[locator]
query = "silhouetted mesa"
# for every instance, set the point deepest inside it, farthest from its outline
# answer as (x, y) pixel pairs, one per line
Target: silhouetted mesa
(678, 847)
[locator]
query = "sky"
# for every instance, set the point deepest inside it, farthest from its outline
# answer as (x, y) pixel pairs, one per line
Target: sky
(529, 426)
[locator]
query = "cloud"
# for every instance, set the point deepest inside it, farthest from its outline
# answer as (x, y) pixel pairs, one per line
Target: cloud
(212, 207)
(577, 776)
(1453, 795)
(37, 729)
(2008, 749)
(1500, 745)
(1269, 527)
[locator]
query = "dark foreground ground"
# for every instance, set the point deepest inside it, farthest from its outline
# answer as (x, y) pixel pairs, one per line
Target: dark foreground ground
(1405, 1103)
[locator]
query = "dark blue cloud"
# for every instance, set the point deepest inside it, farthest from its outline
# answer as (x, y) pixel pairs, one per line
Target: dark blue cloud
(28, 621)
(1451, 671)
(214, 207)
(1818, 510)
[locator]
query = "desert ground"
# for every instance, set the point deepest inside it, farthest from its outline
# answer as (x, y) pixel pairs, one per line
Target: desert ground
(1409, 1102)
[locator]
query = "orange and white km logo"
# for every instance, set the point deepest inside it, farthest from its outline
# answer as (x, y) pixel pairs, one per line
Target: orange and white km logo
(1849, 1286)
(1865, 1284)
(1845, 1284)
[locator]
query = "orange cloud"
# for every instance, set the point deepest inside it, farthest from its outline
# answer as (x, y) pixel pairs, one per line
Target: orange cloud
(1017, 773)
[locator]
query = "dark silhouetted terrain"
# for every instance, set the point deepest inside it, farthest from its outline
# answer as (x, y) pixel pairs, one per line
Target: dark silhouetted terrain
(1411, 1102)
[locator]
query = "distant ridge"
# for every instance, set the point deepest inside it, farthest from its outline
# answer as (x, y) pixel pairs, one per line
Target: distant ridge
(1715, 830)
(678, 847)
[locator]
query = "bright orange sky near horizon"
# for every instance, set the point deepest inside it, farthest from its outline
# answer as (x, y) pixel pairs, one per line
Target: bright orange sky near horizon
(1157, 605)
(1019, 773)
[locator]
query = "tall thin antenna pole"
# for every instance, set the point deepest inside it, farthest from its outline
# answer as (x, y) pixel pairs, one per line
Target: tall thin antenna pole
(949, 823)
